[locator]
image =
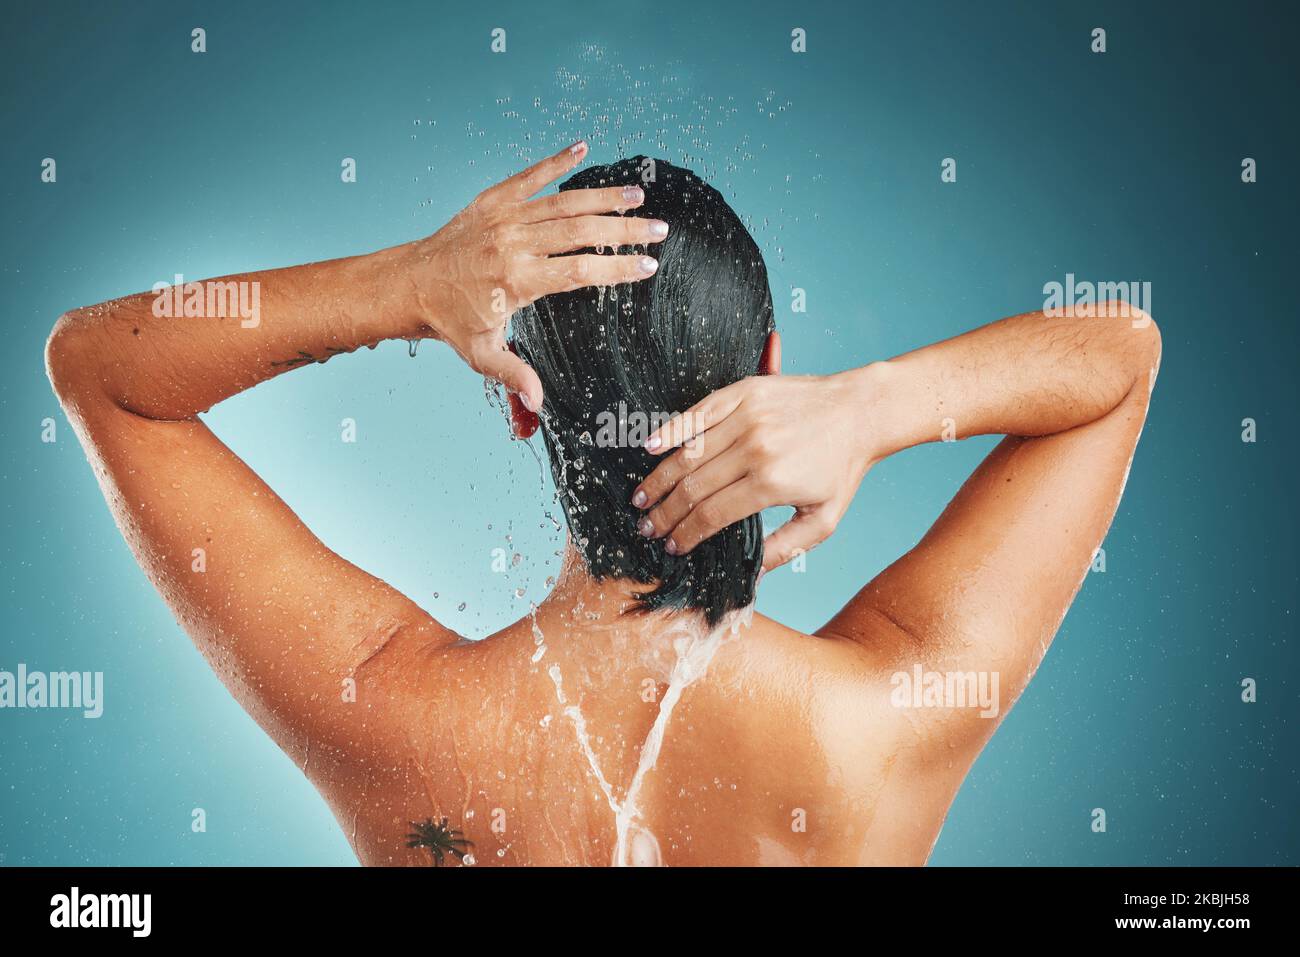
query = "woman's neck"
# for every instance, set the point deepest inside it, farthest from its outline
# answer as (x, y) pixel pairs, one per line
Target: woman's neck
(601, 624)
(609, 598)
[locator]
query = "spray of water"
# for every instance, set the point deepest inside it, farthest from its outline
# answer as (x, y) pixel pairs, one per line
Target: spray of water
(636, 845)
(694, 648)
(652, 109)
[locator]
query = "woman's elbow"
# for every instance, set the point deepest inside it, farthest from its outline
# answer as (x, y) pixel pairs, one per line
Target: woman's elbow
(1146, 345)
(65, 355)
(1132, 344)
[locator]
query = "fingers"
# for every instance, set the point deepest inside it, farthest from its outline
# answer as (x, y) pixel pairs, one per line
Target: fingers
(709, 411)
(699, 452)
(801, 534)
(582, 202)
(542, 277)
(512, 372)
(739, 500)
(584, 232)
(524, 184)
(694, 491)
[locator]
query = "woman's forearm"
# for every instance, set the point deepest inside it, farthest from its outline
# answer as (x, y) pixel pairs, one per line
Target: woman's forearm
(500, 253)
(807, 441)
(174, 352)
(1029, 375)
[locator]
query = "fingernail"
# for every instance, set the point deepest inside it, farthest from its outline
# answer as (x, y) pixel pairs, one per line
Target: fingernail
(670, 547)
(639, 499)
(658, 228)
(648, 264)
(578, 147)
(645, 527)
(653, 443)
(528, 402)
(633, 194)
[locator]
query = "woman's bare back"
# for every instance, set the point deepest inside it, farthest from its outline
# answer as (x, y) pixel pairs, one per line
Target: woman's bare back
(767, 746)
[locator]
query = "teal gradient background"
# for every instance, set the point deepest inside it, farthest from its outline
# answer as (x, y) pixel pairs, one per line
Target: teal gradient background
(1121, 166)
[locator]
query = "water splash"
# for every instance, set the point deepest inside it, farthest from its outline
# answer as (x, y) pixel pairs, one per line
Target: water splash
(539, 639)
(574, 713)
(636, 845)
(694, 649)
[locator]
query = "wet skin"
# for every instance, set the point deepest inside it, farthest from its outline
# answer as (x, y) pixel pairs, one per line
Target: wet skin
(787, 751)
(790, 748)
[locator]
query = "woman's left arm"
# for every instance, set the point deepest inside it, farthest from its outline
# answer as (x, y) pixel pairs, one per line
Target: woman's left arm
(283, 620)
(150, 355)
(987, 587)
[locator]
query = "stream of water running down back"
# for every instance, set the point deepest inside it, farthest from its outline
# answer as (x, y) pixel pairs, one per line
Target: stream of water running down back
(636, 845)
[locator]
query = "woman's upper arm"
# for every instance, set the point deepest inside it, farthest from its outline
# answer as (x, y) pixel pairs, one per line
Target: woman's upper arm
(987, 587)
(313, 647)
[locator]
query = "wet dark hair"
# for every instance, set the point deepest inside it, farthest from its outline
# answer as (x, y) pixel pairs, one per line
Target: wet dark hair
(647, 350)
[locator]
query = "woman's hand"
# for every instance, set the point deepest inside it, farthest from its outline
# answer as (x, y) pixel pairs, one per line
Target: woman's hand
(761, 442)
(501, 253)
